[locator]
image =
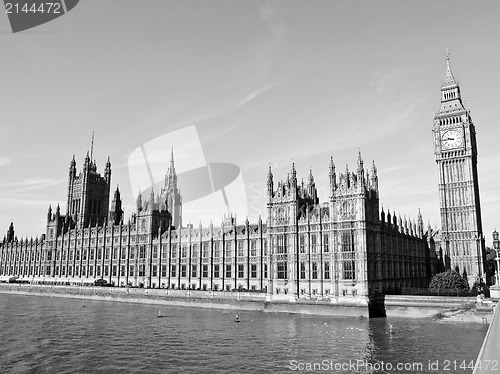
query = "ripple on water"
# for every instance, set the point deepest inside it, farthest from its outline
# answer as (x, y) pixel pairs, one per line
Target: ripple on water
(55, 335)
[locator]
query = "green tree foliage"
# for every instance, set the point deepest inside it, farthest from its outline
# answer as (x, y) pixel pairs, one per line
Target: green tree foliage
(449, 280)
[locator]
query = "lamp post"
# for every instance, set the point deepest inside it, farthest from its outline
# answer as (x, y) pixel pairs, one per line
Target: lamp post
(496, 246)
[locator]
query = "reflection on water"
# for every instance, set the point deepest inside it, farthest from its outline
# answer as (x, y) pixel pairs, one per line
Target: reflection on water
(52, 335)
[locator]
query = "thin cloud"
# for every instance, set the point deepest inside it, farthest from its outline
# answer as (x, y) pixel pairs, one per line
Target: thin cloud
(4, 161)
(388, 80)
(19, 203)
(31, 184)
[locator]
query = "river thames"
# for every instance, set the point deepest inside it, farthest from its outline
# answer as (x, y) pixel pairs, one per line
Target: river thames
(57, 335)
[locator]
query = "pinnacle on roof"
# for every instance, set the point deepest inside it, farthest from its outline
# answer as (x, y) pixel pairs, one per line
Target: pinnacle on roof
(172, 158)
(449, 79)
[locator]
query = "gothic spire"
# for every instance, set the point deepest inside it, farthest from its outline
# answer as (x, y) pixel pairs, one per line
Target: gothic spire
(449, 79)
(139, 201)
(172, 159)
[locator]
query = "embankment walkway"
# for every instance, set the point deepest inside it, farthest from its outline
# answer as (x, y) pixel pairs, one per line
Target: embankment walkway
(488, 360)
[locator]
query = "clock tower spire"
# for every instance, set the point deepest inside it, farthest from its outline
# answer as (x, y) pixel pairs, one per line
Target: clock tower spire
(455, 150)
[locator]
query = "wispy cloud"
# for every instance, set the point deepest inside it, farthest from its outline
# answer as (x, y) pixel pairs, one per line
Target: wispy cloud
(19, 203)
(4, 161)
(30, 184)
(386, 80)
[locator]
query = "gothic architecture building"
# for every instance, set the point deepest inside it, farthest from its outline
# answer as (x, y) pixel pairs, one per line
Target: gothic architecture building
(461, 237)
(342, 248)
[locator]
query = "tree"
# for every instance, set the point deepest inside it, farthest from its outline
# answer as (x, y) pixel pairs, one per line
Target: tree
(491, 264)
(449, 280)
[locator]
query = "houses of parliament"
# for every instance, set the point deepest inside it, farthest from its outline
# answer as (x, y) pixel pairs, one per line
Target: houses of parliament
(343, 248)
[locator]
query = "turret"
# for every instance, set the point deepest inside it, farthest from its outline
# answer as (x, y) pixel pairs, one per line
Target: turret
(138, 202)
(49, 214)
(116, 212)
(374, 177)
(10, 233)
(420, 225)
(360, 172)
(58, 213)
(270, 184)
(333, 176)
(151, 205)
(107, 171)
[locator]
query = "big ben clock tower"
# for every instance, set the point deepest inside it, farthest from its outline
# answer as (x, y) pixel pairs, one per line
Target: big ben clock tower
(455, 149)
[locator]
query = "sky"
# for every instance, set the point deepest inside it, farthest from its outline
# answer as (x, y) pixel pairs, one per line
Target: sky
(246, 83)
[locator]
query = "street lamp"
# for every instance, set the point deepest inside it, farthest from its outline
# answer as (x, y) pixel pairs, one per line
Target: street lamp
(496, 246)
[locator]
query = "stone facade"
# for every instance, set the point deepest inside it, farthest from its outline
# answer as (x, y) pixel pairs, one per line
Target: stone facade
(455, 148)
(343, 249)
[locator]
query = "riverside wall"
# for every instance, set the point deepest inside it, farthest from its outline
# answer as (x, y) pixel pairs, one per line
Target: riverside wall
(389, 305)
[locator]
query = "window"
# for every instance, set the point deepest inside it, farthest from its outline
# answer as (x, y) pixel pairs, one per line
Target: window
(155, 251)
(327, 270)
(349, 269)
(142, 251)
(253, 270)
(206, 249)
(325, 243)
(217, 249)
(132, 253)
(195, 251)
(281, 244)
(241, 248)
(155, 271)
(253, 247)
(91, 271)
(173, 271)
(228, 249)
(265, 271)
(241, 271)
(114, 270)
(184, 251)
(348, 255)
(216, 271)
(228, 271)
(205, 271)
(107, 253)
(282, 270)
(106, 270)
(183, 271)
(164, 270)
(142, 270)
(314, 270)
(302, 270)
(99, 253)
(302, 243)
(174, 250)
(122, 271)
(194, 271)
(98, 271)
(131, 270)
(314, 243)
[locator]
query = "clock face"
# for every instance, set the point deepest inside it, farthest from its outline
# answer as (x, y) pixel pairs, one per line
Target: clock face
(452, 139)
